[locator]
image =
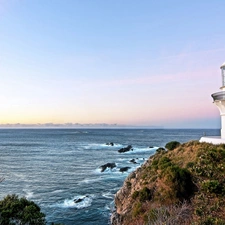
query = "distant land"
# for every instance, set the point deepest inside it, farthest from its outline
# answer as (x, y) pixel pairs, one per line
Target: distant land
(75, 125)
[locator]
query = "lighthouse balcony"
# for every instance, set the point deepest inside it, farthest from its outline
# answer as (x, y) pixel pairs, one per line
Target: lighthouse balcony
(218, 96)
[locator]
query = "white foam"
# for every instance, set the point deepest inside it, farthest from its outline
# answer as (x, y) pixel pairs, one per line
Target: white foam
(28, 194)
(96, 146)
(57, 191)
(70, 203)
(140, 150)
(87, 181)
(108, 195)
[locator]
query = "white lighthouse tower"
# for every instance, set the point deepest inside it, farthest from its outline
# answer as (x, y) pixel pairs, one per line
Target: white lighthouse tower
(219, 101)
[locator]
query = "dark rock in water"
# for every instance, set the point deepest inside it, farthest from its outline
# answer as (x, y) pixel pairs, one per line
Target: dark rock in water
(133, 161)
(80, 199)
(126, 149)
(151, 147)
(124, 169)
(110, 144)
(107, 165)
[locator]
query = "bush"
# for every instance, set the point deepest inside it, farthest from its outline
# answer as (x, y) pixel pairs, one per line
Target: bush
(213, 221)
(170, 215)
(172, 145)
(161, 150)
(145, 194)
(164, 162)
(190, 164)
(136, 209)
(213, 186)
(135, 194)
(16, 210)
(181, 182)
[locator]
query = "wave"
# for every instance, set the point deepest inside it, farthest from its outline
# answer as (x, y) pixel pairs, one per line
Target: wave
(78, 132)
(107, 170)
(78, 202)
(116, 170)
(141, 150)
(87, 180)
(57, 191)
(28, 194)
(20, 144)
(108, 195)
(96, 146)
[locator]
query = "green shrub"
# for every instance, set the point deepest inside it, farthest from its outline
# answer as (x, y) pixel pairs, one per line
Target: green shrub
(129, 184)
(222, 153)
(181, 182)
(213, 186)
(161, 150)
(213, 221)
(145, 194)
(16, 210)
(190, 164)
(135, 194)
(155, 163)
(172, 145)
(164, 162)
(136, 209)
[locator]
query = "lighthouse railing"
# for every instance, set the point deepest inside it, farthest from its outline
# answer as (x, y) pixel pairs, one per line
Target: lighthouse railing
(218, 95)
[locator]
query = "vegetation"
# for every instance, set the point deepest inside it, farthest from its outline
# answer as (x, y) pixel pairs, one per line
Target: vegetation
(144, 194)
(172, 145)
(15, 210)
(20, 211)
(182, 186)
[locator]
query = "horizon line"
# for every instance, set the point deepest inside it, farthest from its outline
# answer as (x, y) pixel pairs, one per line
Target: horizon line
(87, 126)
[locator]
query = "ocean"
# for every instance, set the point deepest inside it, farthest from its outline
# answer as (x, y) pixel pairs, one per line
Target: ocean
(54, 167)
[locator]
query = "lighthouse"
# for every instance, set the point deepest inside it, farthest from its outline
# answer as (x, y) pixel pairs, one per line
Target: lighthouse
(219, 101)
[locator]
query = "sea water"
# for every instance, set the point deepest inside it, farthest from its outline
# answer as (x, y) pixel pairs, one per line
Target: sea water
(54, 167)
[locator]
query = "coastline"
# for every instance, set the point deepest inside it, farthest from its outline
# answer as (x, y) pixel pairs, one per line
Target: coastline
(175, 181)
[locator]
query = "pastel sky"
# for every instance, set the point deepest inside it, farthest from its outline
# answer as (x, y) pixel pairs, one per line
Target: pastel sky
(125, 62)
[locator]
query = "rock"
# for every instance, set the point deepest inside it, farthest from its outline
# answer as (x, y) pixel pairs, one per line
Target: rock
(133, 161)
(115, 218)
(124, 169)
(110, 144)
(126, 149)
(77, 200)
(151, 147)
(107, 165)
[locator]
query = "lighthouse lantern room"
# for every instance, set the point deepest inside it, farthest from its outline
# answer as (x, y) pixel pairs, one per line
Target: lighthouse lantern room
(223, 75)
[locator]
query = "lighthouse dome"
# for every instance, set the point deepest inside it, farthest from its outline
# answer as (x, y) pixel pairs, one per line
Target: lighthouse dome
(223, 65)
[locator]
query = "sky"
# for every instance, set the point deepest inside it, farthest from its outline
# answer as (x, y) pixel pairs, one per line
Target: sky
(113, 62)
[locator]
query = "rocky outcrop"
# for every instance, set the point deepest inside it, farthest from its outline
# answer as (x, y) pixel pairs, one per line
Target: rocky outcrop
(124, 169)
(126, 149)
(107, 165)
(110, 144)
(175, 187)
(133, 161)
(80, 199)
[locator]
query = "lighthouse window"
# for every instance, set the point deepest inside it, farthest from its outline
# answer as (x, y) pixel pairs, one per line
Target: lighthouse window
(223, 76)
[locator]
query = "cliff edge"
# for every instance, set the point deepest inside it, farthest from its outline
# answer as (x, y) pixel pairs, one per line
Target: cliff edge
(184, 184)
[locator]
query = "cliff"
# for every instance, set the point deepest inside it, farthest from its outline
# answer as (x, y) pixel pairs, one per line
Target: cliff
(185, 185)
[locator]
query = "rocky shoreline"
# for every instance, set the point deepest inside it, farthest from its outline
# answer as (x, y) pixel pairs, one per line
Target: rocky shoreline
(182, 184)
